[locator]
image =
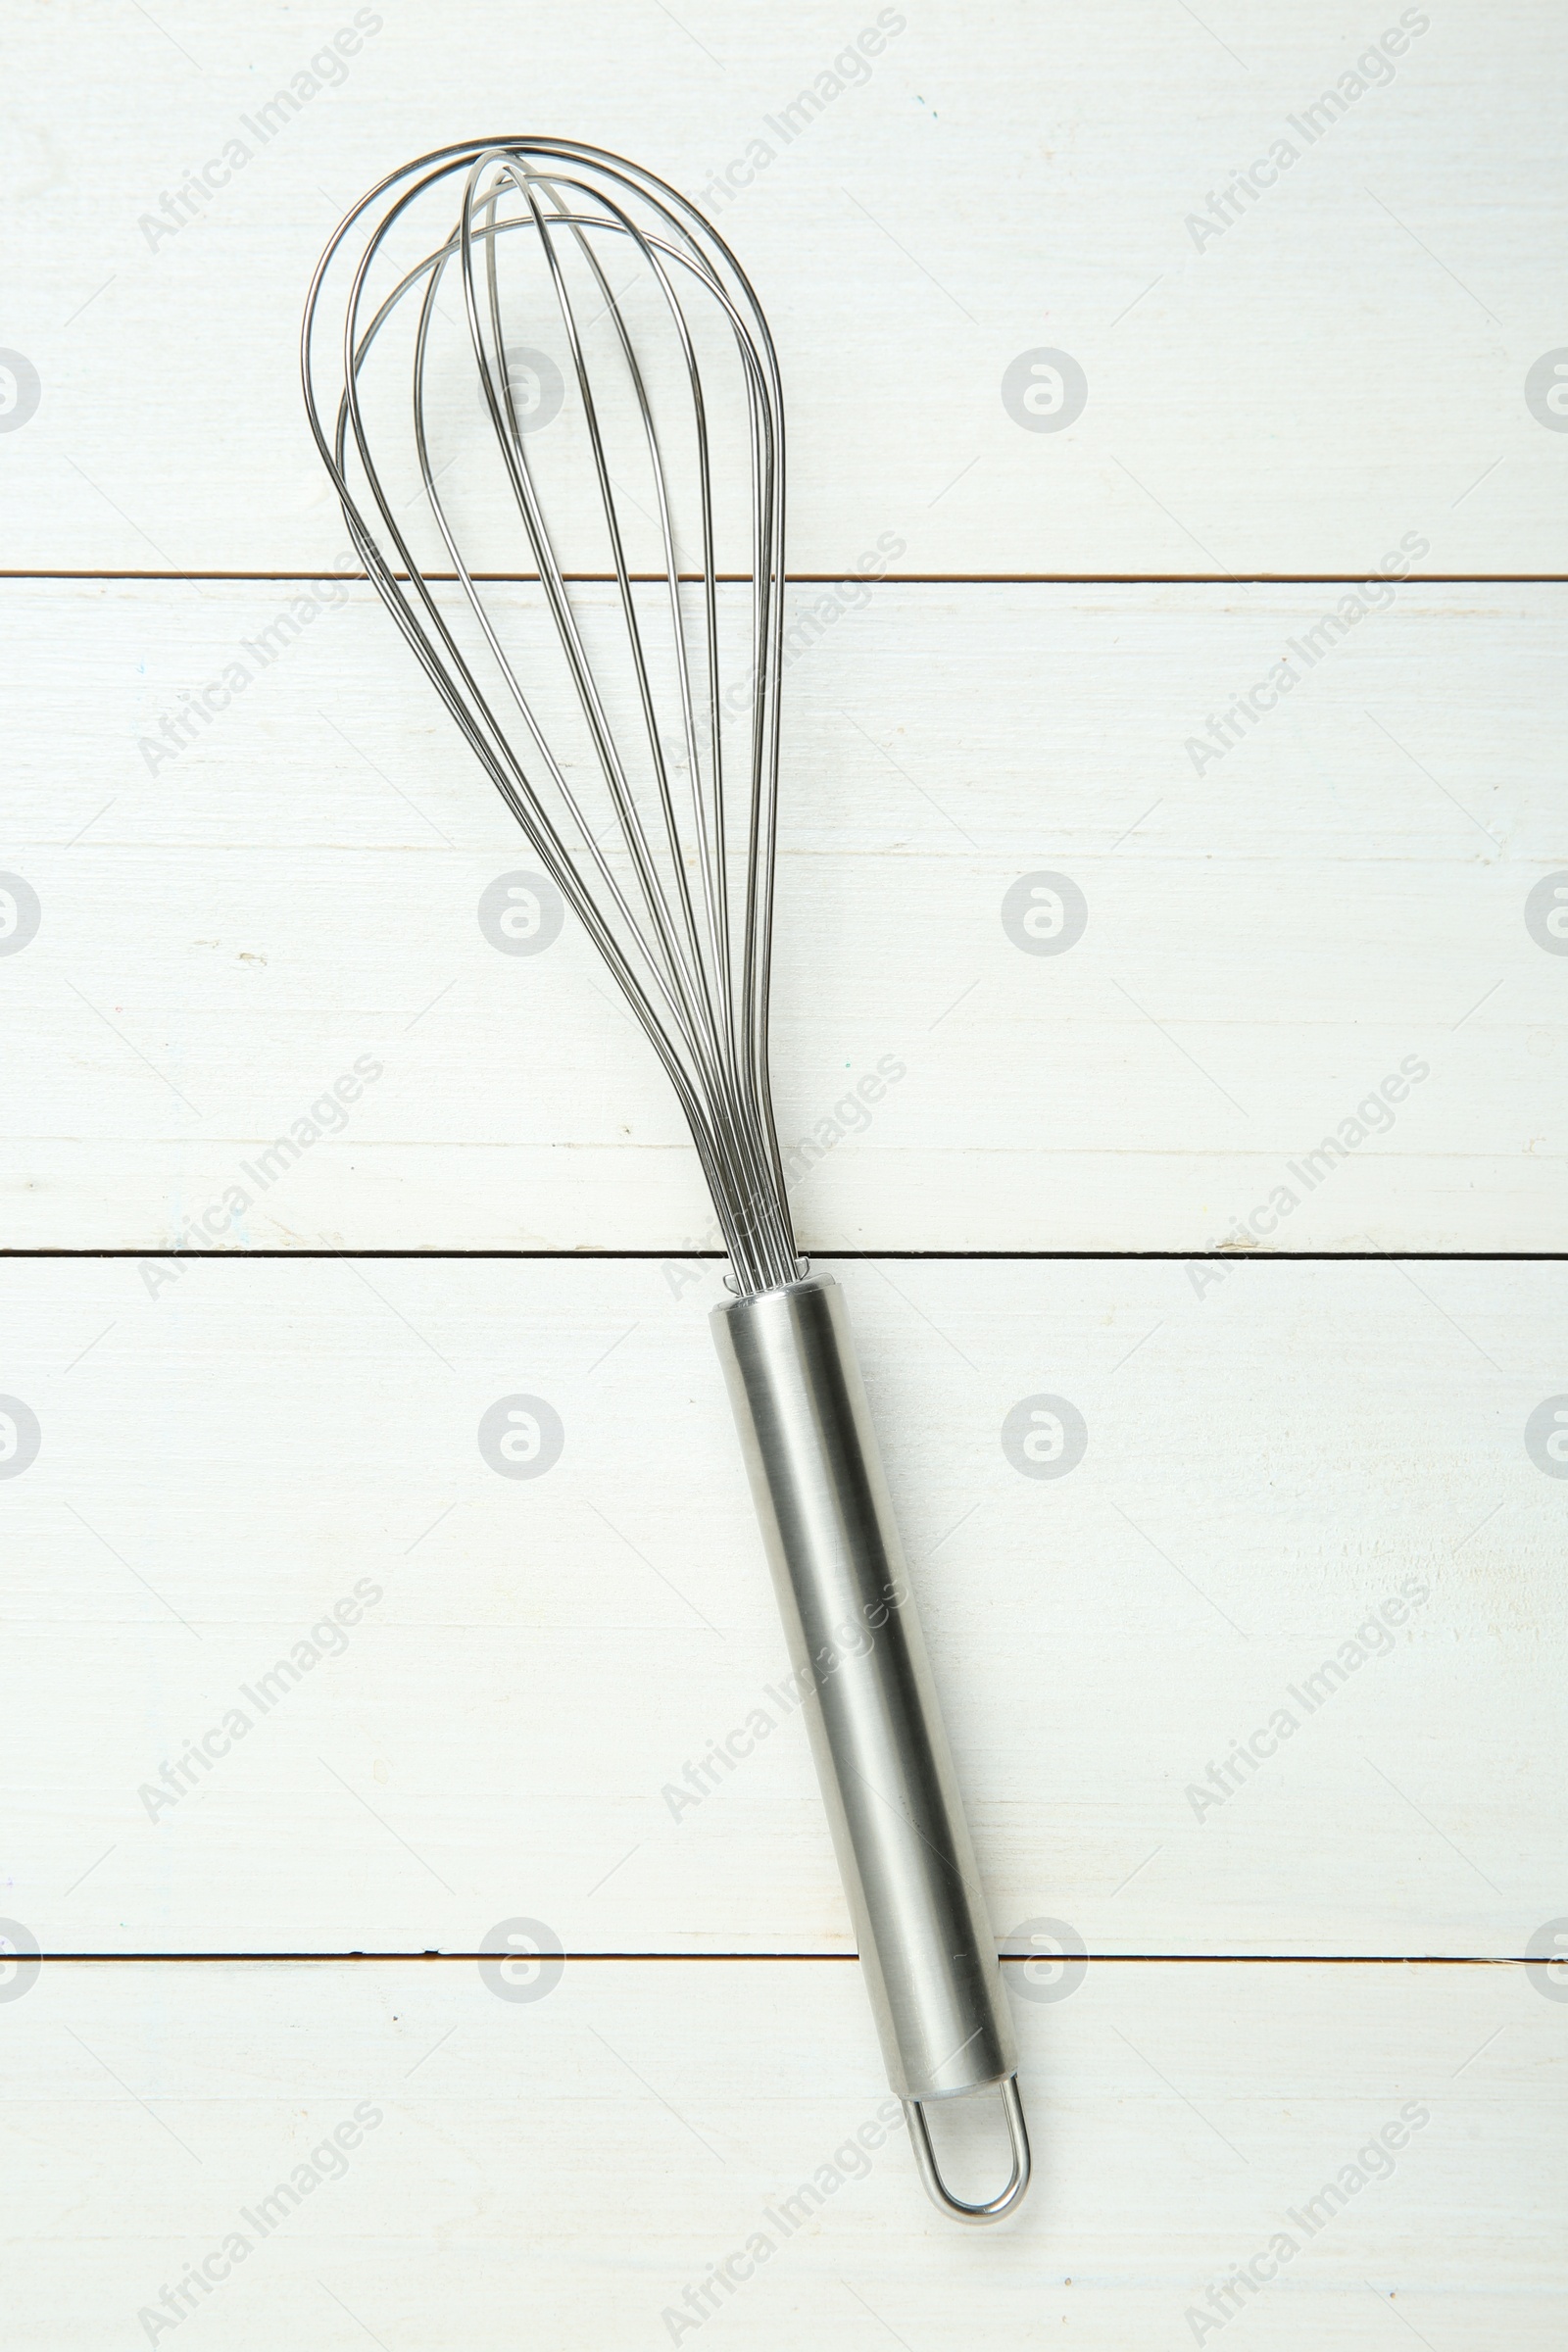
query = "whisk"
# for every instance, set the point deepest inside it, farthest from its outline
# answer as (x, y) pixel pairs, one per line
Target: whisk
(635, 738)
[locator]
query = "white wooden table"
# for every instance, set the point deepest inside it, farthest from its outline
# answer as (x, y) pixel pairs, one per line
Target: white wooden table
(1259, 1708)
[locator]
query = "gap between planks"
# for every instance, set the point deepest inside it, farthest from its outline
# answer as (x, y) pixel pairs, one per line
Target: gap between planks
(1006, 1257)
(810, 1959)
(896, 579)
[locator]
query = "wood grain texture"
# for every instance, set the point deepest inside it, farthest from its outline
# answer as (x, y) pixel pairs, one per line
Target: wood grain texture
(589, 2157)
(1342, 363)
(227, 927)
(1304, 1463)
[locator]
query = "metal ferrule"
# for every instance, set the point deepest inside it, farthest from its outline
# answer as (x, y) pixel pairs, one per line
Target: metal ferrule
(926, 1948)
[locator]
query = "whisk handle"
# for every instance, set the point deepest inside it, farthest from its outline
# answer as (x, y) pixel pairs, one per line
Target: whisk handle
(927, 1953)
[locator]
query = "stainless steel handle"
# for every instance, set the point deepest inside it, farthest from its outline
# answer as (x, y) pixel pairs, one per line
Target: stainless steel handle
(892, 1797)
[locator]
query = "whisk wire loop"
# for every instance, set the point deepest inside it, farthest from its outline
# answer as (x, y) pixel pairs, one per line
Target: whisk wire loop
(644, 864)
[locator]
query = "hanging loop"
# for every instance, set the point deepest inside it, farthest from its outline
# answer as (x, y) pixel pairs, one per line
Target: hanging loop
(936, 2187)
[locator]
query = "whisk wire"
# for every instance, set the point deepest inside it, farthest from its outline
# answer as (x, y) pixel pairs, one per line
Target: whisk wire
(694, 972)
(499, 758)
(694, 983)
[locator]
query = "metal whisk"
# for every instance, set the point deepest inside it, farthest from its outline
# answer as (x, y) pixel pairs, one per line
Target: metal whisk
(635, 738)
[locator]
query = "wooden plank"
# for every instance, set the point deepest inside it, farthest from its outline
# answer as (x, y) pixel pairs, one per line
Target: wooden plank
(152, 2110)
(1305, 1490)
(230, 927)
(1288, 365)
